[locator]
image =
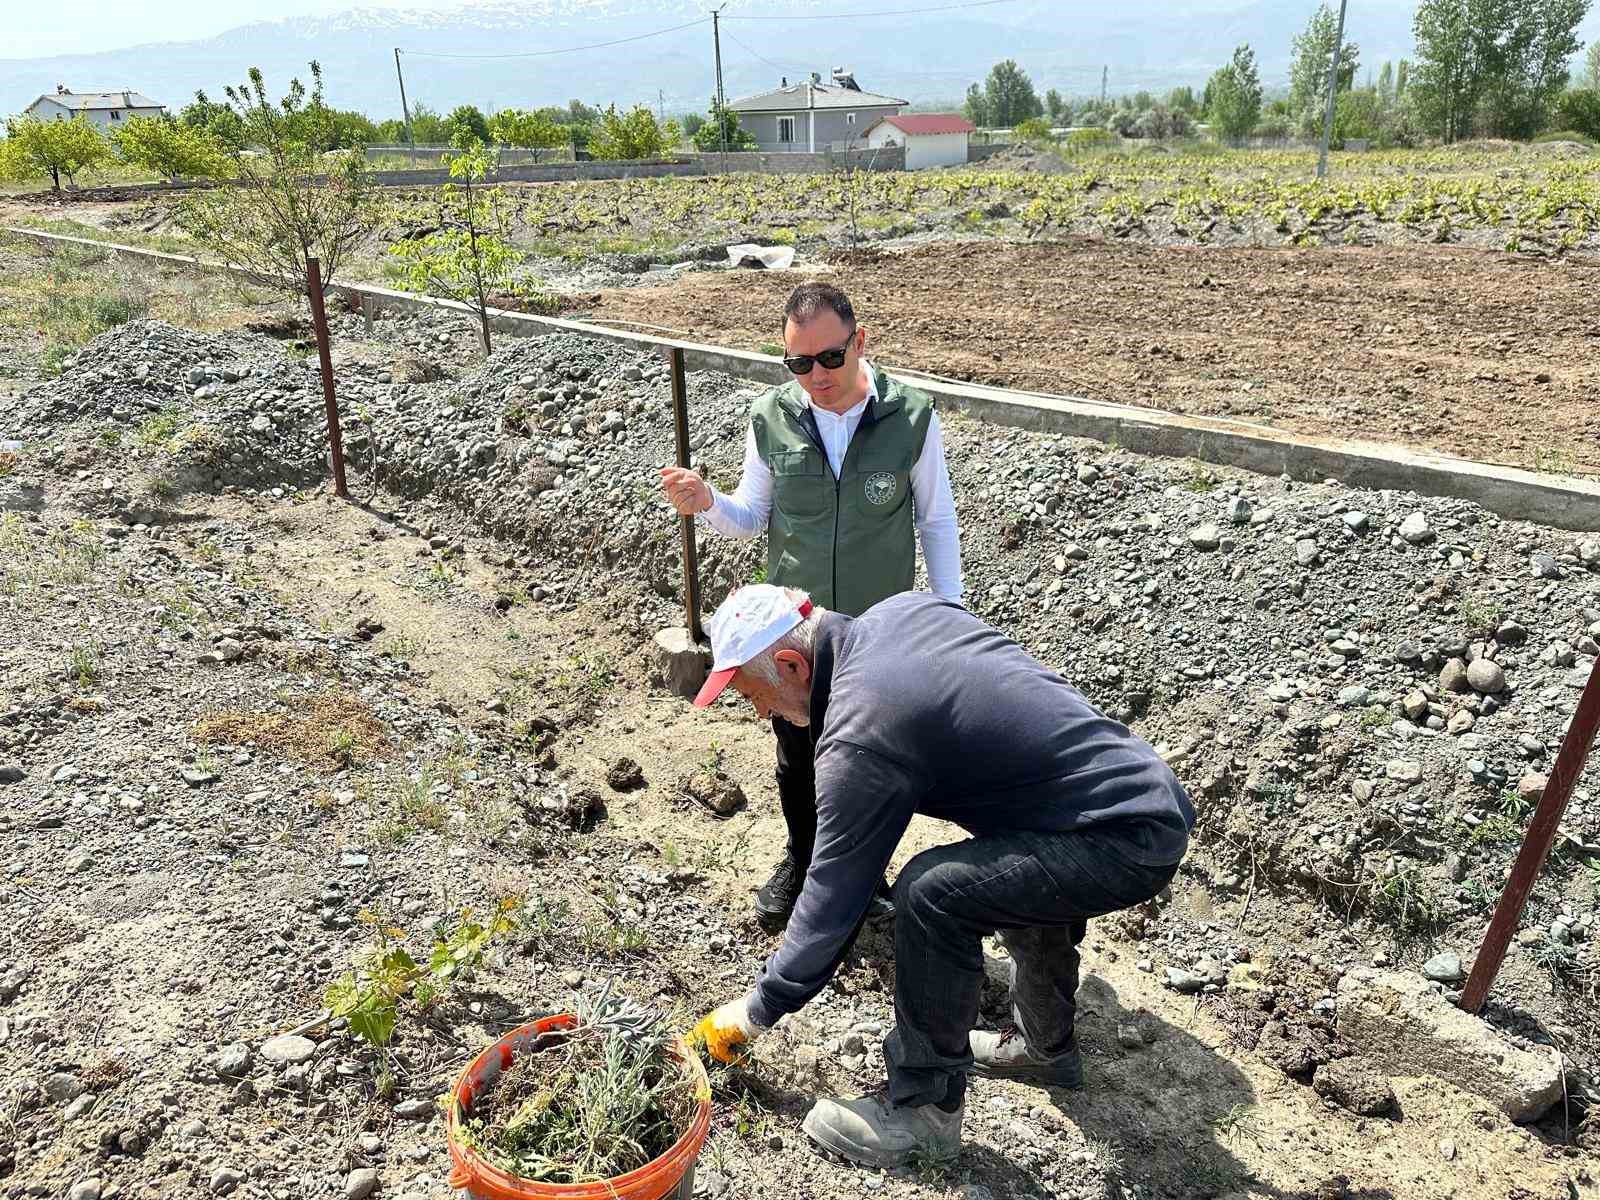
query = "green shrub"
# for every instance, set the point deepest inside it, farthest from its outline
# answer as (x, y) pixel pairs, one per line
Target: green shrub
(1034, 129)
(1089, 139)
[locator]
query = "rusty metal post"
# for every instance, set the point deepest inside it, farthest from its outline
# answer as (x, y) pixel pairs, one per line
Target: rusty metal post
(691, 558)
(319, 322)
(1536, 843)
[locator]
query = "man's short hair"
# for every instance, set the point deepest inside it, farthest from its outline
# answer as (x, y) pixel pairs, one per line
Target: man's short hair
(809, 299)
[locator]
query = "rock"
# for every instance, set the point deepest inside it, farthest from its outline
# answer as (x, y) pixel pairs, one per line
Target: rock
(1589, 552)
(1128, 1036)
(288, 1050)
(1239, 510)
(715, 790)
(1354, 696)
(1453, 676)
(1444, 967)
(681, 664)
(1403, 771)
(1546, 567)
(1530, 788)
(1415, 705)
(61, 1086)
(1306, 553)
(11, 773)
(1357, 522)
(1088, 474)
(78, 1108)
(625, 775)
(224, 1180)
(84, 1189)
(1415, 529)
(1486, 677)
(360, 1184)
(1205, 537)
(1184, 982)
(1401, 1020)
(415, 1110)
(233, 1060)
(1510, 634)
(1460, 723)
(1354, 1084)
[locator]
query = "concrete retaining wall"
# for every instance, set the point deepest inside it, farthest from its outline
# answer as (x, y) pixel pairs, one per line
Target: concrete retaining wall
(1559, 501)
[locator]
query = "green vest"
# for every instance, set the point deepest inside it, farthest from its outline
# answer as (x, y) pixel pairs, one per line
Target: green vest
(849, 542)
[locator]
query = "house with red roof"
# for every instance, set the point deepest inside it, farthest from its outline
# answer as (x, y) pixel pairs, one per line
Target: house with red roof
(930, 139)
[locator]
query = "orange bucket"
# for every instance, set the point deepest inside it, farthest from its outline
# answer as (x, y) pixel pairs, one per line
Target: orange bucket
(671, 1175)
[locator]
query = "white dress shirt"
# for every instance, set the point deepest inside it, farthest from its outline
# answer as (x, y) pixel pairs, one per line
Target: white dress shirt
(744, 513)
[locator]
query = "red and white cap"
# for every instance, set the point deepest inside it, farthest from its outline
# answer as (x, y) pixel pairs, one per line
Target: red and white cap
(746, 623)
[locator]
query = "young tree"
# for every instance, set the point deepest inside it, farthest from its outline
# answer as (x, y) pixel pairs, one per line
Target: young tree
(636, 134)
(294, 198)
(170, 148)
(1591, 67)
(220, 121)
(1009, 95)
(1182, 99)
(34, 149)
(721, 129)
(1054, 105)
(428, 128)
(976, 107)
(1308, 69)
(692, 124)
(469, 258)
(1402, 78)
(1579, 110)
(525, 130)
(1234, 96)
(1386, 85)
(1545, 41)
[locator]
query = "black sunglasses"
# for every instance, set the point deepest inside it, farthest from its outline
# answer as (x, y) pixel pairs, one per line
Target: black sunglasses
(801, 364)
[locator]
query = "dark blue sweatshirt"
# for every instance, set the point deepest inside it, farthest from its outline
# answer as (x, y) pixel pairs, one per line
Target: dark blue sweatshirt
(922, 708)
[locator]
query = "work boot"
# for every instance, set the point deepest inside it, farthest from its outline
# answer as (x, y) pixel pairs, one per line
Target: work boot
(881, 906)
(1005, 1055)
(874, 1133)
(775, 898)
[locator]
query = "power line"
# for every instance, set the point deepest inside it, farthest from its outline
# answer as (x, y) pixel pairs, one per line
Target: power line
(887, 12)
(747, 49)
(639, 37)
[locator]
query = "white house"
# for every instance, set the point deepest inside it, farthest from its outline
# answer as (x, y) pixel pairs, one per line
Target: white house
(104, 110)
(810, 116)
(930, 139)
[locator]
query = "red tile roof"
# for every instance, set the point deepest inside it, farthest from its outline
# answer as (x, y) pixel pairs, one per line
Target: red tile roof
(915, 123)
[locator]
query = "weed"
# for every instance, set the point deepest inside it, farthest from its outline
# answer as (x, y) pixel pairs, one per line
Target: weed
(1200, 478)
(933, 1163)
(332, 729)
(85, 665)
(8, 463)
(1553, 460)
(1404, 902)
(162, 485)
(1480, 614)
(774, 349)
(1375, 717)
(1593, 869)
(341, 745)
(759, 575)
(157, 431)
(1239, 1122)
(712, 762)
(1513, 806)
(404, 647)
(671, 856)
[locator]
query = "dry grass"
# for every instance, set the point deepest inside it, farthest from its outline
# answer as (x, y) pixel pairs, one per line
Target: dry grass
(332, 730)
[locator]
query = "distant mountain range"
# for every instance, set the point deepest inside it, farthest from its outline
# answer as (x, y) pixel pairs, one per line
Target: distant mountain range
(930, 57)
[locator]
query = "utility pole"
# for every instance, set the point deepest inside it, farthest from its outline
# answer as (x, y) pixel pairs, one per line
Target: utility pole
(1104, 72)
(405, 109)
(1333, 90)
(722, 116)
(661, 105)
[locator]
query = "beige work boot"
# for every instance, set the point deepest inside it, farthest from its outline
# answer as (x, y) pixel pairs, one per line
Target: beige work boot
(874, 1133)
(1005, 1055)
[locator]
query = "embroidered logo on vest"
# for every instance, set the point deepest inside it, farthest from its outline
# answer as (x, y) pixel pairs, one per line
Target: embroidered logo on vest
(881, 487)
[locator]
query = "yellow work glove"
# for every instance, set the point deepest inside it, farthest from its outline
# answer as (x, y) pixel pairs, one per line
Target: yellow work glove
(725, 1032)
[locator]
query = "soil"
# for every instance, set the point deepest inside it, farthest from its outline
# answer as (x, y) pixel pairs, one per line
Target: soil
(1470, 353)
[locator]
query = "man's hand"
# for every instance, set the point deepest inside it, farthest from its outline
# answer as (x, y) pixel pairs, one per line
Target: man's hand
(725, 1032)
(688, 493)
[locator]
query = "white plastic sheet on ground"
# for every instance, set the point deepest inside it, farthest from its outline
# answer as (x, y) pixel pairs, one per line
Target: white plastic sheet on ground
(762, 258)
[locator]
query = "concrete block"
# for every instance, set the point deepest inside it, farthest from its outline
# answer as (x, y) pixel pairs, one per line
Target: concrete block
(1409, 1027)
(681, 664)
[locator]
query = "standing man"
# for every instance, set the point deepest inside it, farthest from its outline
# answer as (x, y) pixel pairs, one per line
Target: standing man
(919, 707)
(840, 467)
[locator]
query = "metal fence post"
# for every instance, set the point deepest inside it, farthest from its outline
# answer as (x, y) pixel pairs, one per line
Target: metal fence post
(319, 322)
(691, 560)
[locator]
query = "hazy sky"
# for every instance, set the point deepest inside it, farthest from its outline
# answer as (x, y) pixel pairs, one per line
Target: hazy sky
(60, 28)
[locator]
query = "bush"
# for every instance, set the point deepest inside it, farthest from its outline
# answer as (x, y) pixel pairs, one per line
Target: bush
(1088, 139)
(1034, 129)
(633, 135)
(1579, 109)
(1566, 135)
(1275, 128)
(1122, 122)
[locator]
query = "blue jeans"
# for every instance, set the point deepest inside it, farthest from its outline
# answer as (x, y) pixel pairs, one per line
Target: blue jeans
(1036, 891)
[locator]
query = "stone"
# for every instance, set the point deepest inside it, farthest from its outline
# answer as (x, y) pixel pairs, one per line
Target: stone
(1530, 788)
(1357, 522)
(681, 663)
(1088, 474)
(360, 1184)
(1184, 982)
(625, 775)
(1589, 552)
(1460, 722)
(84, 1189)
(78, 1108)
(1239, 510)
(1354, 696)
(1444, 967)
(1355, 1084)
(1306, 553)
(1546, 567)
(1128, 1036)
(288, 1050)
(11, 773)
(233, 1060)
(62, 1086)
(1415, 705)
(1510, 634)
(1403, 771)
(715, 790)
(1486, 677)
(1205, 537)
(415, 1110)
(224, 1180)
(1415, 529)
(1453, 676)
(1403, 1021)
